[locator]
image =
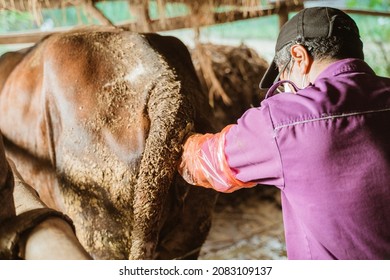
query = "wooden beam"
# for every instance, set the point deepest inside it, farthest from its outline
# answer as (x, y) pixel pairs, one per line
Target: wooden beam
(96, 13)
(283, 14)
(173, 23)
(26, 38)
(367, 12)
(190, 21)
(25, 5)
(140, 9)
(154, 25)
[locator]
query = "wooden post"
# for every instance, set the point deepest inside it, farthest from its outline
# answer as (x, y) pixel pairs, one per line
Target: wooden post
(96, 13)
(140, 9)
(283, 14)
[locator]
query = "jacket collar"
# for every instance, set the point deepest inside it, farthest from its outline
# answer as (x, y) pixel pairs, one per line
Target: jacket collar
(345, 66)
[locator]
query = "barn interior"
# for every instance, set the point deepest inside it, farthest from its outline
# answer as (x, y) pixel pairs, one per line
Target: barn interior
(247, 224)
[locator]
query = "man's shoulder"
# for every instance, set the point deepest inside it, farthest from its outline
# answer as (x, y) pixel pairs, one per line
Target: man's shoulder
(330, 95)
(289, 107)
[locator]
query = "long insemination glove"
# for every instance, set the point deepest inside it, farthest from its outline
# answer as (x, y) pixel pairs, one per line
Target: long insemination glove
(203, 163)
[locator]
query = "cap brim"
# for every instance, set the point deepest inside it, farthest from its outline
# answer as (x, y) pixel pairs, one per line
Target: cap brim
(269, 76)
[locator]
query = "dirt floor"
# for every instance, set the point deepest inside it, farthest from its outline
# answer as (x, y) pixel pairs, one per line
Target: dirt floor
(247, 224)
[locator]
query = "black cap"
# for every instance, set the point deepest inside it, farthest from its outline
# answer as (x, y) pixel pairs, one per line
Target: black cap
(310, 23)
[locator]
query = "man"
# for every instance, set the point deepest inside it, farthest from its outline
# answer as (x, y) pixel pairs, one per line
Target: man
(326, 144)
(28, 228)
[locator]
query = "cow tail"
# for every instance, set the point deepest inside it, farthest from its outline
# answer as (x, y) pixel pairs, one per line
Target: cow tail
(169, 114)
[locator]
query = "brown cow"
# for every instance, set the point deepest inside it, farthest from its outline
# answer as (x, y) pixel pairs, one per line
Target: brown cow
(95, 119)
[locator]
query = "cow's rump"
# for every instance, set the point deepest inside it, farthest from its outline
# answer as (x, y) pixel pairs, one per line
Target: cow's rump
(95, 119)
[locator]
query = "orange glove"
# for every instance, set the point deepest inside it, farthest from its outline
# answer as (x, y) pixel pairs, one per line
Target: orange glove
(203, 163)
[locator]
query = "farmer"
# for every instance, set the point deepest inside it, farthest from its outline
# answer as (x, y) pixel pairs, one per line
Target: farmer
(324, 142)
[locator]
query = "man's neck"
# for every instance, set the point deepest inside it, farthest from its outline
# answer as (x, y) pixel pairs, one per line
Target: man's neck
(318, 66)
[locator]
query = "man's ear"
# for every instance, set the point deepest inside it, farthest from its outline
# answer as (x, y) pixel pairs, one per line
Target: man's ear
(302, 58)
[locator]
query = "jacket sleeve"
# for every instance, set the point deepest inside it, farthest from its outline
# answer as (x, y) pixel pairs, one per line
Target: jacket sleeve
(252, 151)
(240, 156)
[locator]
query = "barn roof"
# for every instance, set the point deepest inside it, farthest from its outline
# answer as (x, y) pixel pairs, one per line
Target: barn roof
(197, 13)
(202, 10)
(30, 5)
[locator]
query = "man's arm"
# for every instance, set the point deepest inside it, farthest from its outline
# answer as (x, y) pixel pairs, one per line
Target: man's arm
(240, 156)
(204, 163)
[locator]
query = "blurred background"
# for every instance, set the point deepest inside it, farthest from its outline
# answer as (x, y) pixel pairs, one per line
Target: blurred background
(259, 32)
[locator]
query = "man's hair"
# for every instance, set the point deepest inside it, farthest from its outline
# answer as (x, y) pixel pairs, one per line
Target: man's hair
(333, 47)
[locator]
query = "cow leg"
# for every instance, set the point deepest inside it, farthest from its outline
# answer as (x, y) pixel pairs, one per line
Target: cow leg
(29, 229)
(7, 208)
(183, 234)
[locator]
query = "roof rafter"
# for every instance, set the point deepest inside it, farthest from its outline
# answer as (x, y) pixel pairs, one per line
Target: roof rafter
(156, 26)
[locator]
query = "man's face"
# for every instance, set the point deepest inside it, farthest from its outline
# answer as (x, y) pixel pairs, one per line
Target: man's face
(286, 74)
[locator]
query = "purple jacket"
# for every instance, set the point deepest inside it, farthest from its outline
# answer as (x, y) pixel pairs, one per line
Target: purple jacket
(328, 149)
